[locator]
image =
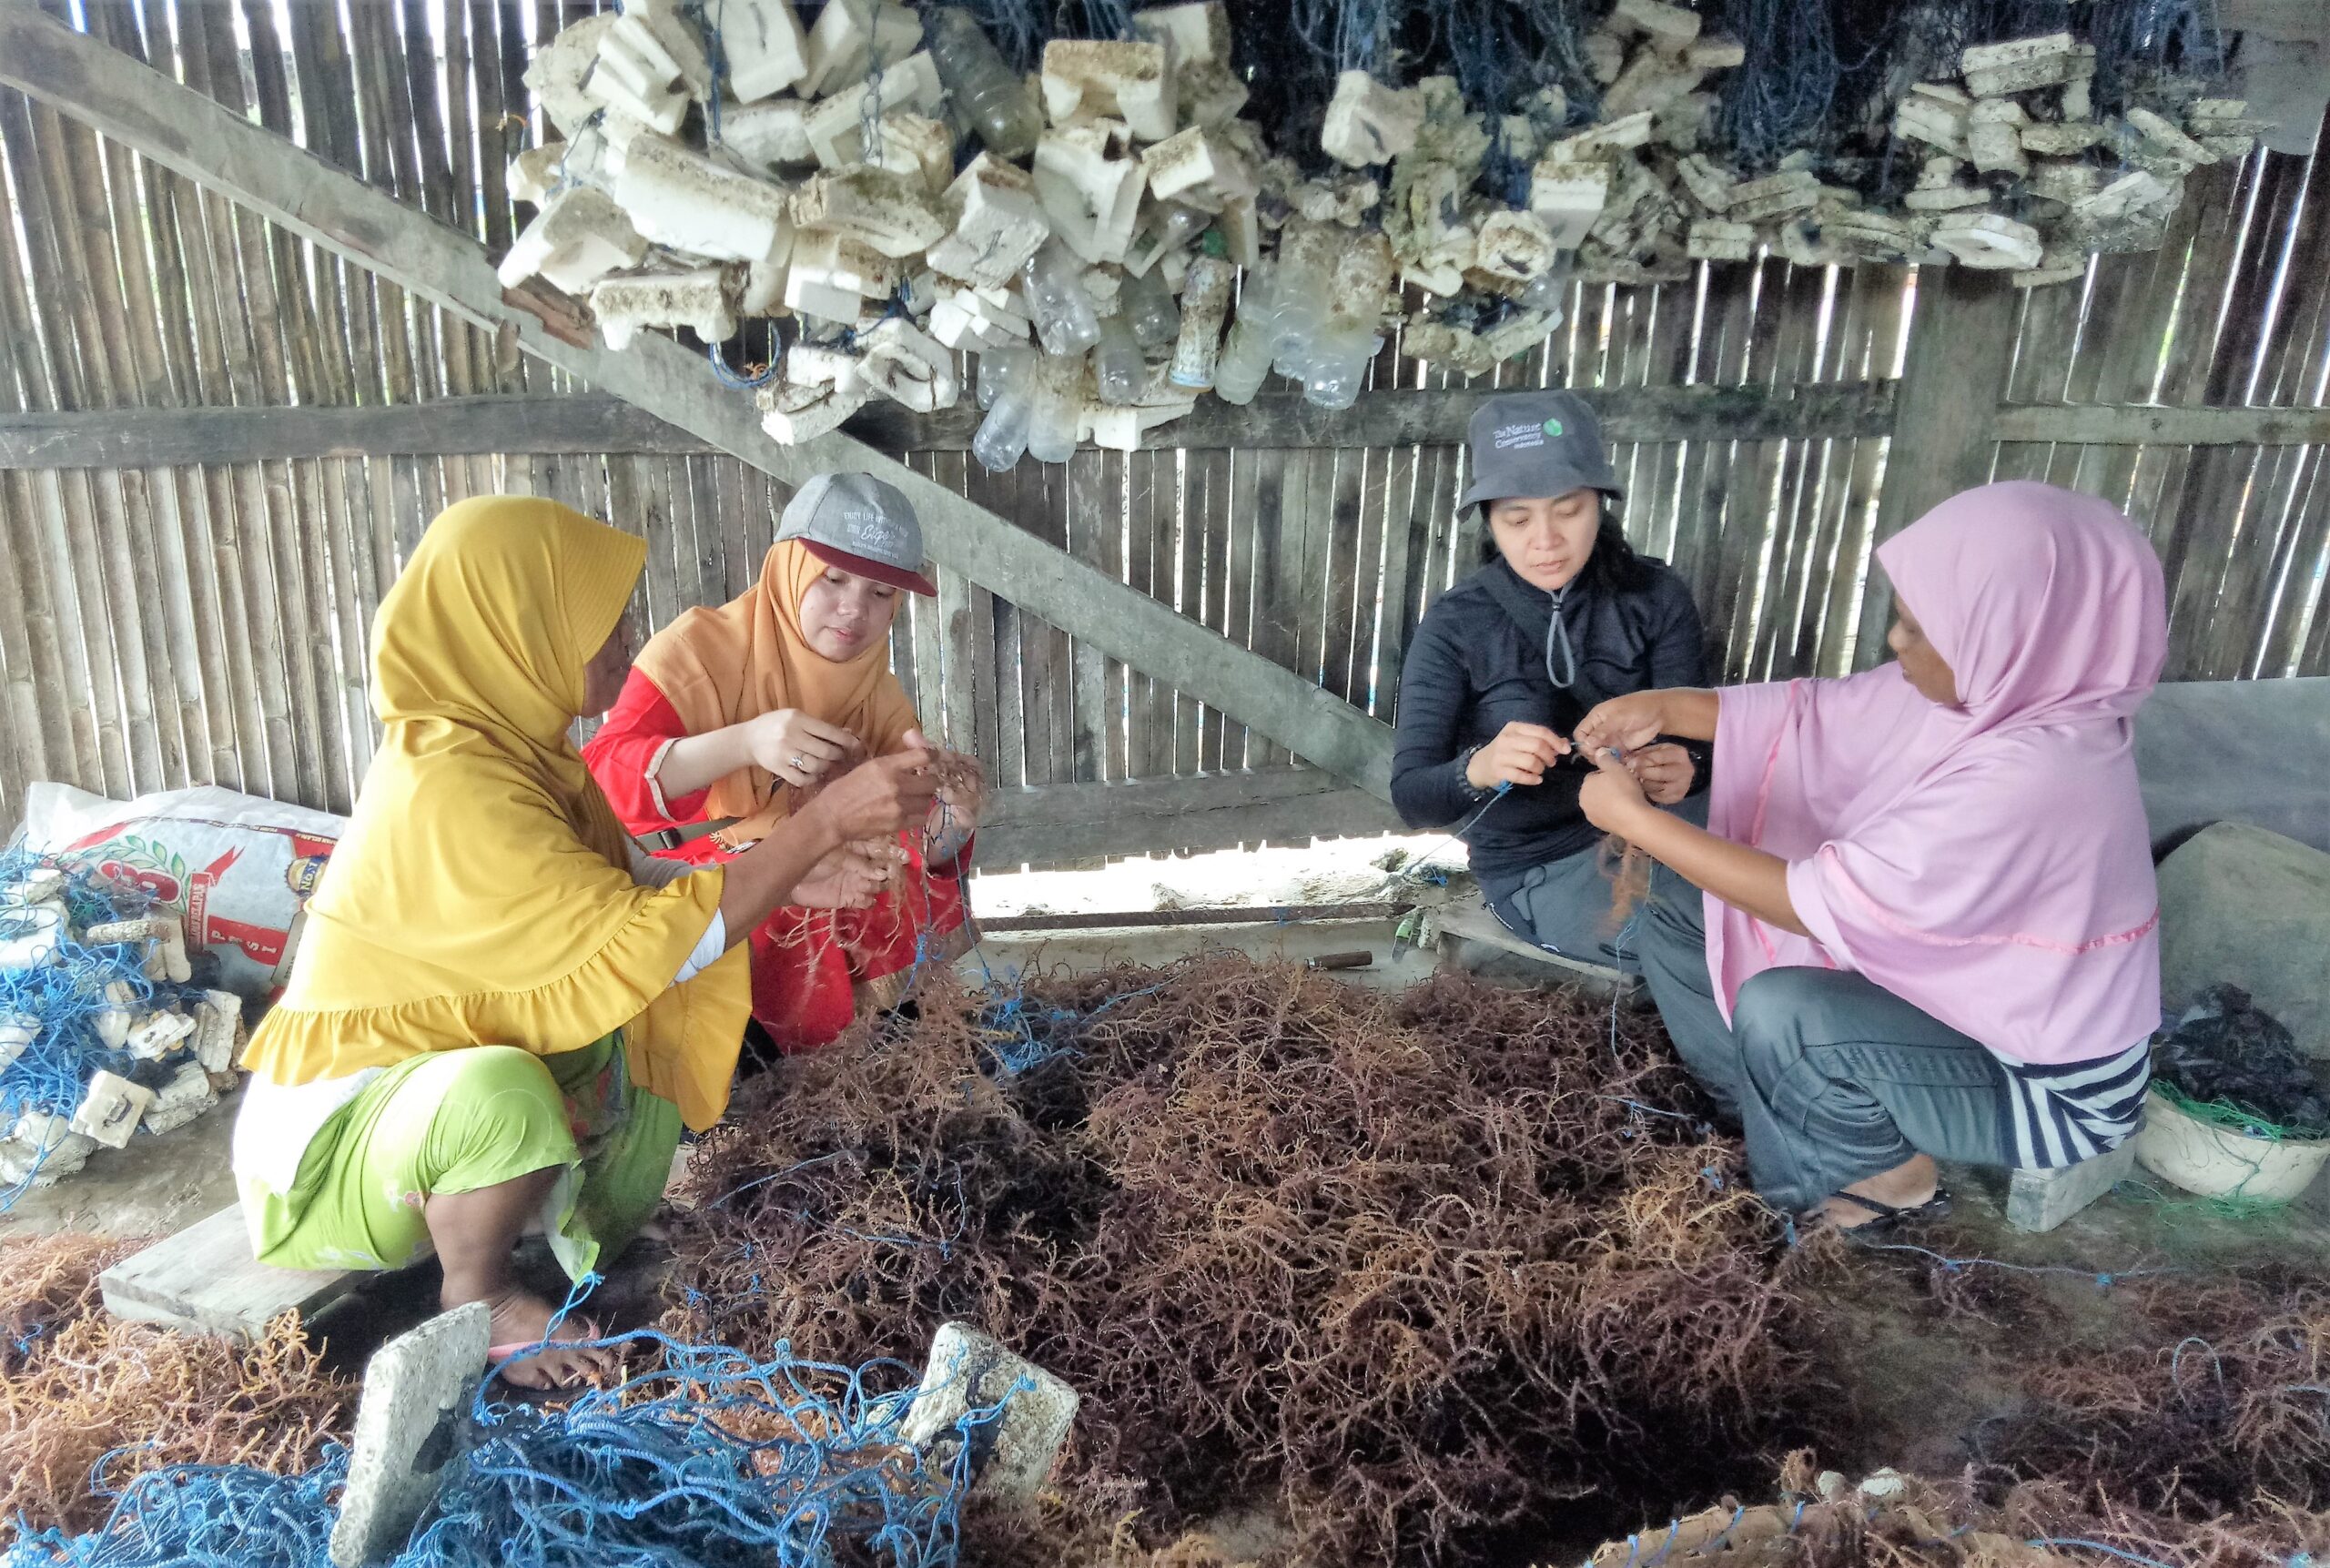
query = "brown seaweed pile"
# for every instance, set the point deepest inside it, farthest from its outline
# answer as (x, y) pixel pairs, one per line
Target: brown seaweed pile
(1422, 1271)
(76, 1384)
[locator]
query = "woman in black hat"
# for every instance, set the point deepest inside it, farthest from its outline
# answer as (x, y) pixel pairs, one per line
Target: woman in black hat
(1562, 615)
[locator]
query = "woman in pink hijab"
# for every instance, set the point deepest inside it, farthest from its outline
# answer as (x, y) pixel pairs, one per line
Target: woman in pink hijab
(1929, 925)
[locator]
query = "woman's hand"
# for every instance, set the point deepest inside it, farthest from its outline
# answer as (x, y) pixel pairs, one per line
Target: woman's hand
(1613, 800)
(962, 794)
(796, 748)
(878, 799)
(853, 877)
(1519, 755)
(1628, 723)
(1664, 771)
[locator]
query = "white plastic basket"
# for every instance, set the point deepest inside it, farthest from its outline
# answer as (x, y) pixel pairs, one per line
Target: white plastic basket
(2221, 1162)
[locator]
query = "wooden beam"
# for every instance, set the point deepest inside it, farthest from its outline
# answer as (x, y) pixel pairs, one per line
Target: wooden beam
(2101, 425)
(592, 422)
(1067, 825)
(184, 131)
(1962, 342)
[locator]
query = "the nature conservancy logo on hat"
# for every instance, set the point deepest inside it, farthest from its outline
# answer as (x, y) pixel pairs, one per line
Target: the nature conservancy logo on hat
(1552, 427)
(1515, 438)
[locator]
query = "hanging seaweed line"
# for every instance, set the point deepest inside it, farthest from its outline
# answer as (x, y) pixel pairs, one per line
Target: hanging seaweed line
(712, 1455)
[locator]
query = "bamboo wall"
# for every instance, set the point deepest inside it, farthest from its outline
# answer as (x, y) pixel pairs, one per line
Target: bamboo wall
(207, 621)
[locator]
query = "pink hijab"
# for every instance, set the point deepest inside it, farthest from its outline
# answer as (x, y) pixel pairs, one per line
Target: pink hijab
(1988, 862)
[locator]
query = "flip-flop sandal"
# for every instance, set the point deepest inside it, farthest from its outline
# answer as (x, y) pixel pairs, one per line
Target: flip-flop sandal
(1890, 1217)
(583, 1333)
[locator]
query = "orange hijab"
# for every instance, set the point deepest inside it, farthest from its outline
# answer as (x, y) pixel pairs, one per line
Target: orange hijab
(749, 657)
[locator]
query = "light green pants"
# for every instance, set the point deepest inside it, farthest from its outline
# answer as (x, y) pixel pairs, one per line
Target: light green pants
(456, 1121)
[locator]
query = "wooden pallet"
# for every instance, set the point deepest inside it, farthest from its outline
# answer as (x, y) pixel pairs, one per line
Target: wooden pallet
(1470, 919)
(204, 1280)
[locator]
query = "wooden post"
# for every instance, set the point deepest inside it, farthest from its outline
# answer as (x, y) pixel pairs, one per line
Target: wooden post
(1962, 340)
(182, 130)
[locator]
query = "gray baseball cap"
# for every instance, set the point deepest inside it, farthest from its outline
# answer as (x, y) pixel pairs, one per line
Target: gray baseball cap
(857, 522)
(1530, 444)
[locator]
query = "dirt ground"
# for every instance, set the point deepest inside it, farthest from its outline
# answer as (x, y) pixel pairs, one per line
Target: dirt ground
(1915, 1386)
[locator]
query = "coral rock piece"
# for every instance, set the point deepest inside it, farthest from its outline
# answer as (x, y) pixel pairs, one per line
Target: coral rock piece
(1088, 79)
(579, 236)
(1989, 239)
(678, 197)
(888, 212)
(1369, 123)
(763, 47)
(1091, 195)
(704, 298)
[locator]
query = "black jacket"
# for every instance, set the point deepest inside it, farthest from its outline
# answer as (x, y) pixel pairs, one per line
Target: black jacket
(1475, 667)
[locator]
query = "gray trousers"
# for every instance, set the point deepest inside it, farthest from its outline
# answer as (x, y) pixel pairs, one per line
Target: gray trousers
(1566, 906)
(1832, 1078)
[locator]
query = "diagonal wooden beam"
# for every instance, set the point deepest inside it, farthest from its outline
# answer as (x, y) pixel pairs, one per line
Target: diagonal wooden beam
(186, 132)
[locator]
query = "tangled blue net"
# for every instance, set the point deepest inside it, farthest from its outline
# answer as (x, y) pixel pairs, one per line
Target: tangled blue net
(713, 1459)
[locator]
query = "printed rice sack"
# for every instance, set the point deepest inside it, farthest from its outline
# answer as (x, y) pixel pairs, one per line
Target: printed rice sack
(237, 869)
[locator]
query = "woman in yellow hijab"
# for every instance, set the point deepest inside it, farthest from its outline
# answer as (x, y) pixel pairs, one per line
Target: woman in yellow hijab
(495, 1016)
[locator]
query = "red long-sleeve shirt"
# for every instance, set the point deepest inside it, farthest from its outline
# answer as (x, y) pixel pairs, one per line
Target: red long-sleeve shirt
(807, 963)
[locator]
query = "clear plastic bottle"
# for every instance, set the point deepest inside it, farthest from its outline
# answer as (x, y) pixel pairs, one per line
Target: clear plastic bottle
(1549, 290)
(1253, 338)
(1056, 403)
(1338, 364)
(1205, 299)
(1147, 304)
(1005, 392)
(1066, 323)
(1168, 227)
(992, 99)
(1117, 369)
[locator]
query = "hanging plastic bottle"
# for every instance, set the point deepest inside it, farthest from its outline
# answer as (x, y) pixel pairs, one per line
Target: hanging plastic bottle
(1005, 392)
(1205, 299)
(992, 98)
(1549, 290)
(1253, 338)
(1066, 323)
(1168, 227)
(1057, 402)
(1117, 369)
(1147, 304)
(1338, 366)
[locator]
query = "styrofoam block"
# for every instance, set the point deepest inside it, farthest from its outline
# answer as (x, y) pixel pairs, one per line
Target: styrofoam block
(764, 46)
(1606, 56)
(1514, 244)
(1000, 222)
(916, 146)
(1994, 136)
(1715, 52)
(1084, 79)
(155, 1035)
(1211, 96)
(2020, 64)
(846, 262)
(764, 290)
(1686, 122)
(1198, 31)
(637, 76)
(1369, 123)
(218, 1018)
(533, 172)
(1198, 168)
(1120, 427)
(1713, 240)
(704, 299)
(1947, 198)
(1989, 239)
(577, 239)
(561, 69)
(1710, 186)
(417, 1390)
(849, 36)
(767, 134)
(17, 1031)
(888, 212)
(1670, 27)
(2122, 197)
(1650, 81)
(2064, 267)
(111, 1109)
(1936, 114)
(1344, 201)
(835, 129)
(46, 883)
(2064, 138)
(36, 931)
(1756, 199)
(1568, 198)
(187, 1095)
(676, 196)
(792, 414)
(1090, 198)
(2164, 139)
(906, 366)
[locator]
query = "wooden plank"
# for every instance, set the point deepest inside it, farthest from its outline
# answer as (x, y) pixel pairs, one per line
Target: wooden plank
(1091, 513)
(1140, 500)
(1213, 534)
(1960, 337)
(2100, 426)
(1238, 745)
(1068, 823)
(151, 115)
(204, 1281)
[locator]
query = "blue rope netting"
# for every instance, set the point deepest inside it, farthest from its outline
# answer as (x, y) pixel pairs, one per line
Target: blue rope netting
(65, 993)
(714, 1459)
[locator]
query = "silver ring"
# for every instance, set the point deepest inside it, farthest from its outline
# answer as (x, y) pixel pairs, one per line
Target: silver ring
(799, 765)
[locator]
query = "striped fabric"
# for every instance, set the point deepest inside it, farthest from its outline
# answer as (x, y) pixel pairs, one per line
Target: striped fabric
(2068, 1112)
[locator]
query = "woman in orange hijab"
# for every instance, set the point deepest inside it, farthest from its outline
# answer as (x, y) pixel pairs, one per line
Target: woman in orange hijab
(734, 716)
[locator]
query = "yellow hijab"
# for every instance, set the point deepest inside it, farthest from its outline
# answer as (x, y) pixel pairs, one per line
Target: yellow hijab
(482, 893)
(749, 657)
